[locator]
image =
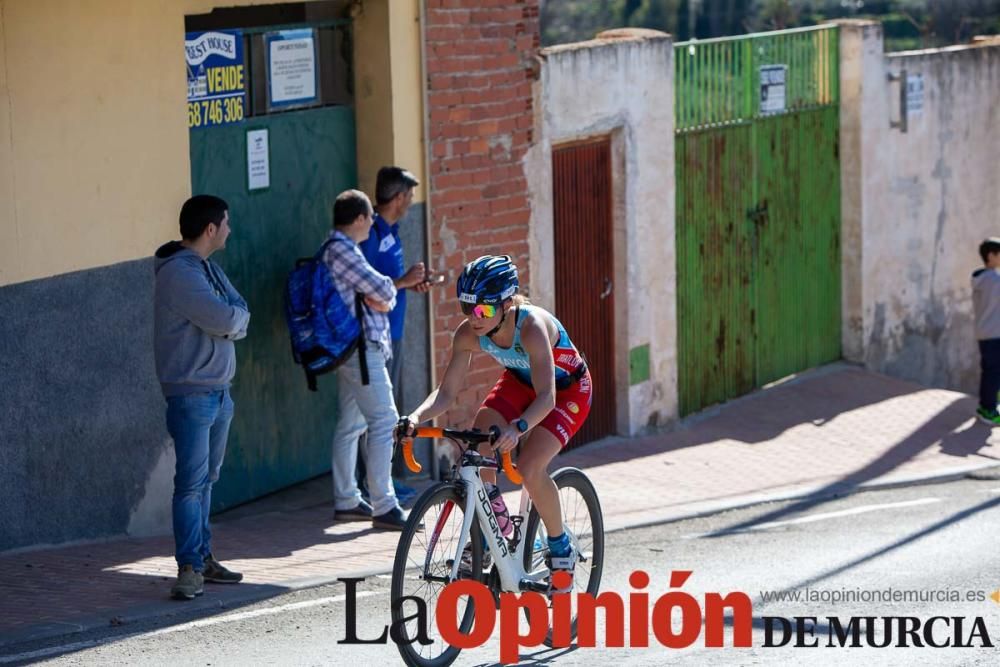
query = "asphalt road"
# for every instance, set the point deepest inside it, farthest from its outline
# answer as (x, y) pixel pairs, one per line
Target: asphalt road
(917, 552)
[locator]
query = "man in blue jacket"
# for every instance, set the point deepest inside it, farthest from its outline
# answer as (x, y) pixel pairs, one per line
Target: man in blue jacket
(384, 250)
(198, 315)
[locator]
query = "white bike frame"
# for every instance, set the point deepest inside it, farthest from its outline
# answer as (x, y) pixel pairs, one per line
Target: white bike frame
(510, 564)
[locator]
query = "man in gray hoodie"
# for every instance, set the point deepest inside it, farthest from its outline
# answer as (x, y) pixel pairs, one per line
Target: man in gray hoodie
(986, 305)
(197, 316)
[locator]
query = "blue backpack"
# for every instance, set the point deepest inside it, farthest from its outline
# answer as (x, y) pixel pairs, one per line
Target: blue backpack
(323, 330)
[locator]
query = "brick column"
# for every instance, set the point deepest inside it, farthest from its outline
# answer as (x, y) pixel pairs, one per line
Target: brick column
(480, 58)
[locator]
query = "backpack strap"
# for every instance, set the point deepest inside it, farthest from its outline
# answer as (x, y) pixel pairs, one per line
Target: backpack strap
(322, 248)
(359, 314)
(362, 356)
(310, 378)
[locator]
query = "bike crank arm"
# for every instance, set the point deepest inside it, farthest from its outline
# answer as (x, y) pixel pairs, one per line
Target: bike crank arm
(533, 586)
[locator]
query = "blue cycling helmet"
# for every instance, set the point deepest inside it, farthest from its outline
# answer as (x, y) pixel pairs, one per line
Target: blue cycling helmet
(489, 279)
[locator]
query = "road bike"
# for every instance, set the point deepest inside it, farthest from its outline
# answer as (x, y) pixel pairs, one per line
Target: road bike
(452, 522)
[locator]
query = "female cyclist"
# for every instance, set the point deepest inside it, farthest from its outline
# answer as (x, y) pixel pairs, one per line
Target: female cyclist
(543, 395)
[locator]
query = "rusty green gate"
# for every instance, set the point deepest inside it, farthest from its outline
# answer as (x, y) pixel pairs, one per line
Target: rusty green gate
(758, 210)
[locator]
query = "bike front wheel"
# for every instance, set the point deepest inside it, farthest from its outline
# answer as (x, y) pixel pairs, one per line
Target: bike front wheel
(428, 545)
(584, 521)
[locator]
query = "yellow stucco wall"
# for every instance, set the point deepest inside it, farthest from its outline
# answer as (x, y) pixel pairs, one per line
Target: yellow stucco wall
(8, 223)
(372, 91)
(388, 91)
(96, 133)
(94, 156)
(407, 91)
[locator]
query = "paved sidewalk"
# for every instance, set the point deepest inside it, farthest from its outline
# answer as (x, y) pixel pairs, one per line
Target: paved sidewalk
(821, 435)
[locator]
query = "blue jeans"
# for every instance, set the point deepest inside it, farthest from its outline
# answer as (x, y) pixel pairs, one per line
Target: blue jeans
(364, 407)
(199, 425)
(989, 369)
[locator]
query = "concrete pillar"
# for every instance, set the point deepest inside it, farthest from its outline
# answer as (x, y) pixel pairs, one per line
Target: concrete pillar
(861, 67)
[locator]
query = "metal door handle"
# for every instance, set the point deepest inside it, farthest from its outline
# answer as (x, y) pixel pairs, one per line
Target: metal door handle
(607, 288)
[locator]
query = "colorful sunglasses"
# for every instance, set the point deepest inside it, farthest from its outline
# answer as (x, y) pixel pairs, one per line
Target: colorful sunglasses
(480, 311)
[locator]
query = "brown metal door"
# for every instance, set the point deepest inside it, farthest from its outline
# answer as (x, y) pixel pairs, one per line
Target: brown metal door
(581, 176)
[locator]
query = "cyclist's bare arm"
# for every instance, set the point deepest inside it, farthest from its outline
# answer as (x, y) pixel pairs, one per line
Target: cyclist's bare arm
(463, 345)
(537, 342)
(536, 338)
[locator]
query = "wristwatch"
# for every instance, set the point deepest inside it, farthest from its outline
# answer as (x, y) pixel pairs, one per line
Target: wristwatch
(521, 425)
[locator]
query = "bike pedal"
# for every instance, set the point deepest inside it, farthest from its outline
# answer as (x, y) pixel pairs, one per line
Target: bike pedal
(534, 586)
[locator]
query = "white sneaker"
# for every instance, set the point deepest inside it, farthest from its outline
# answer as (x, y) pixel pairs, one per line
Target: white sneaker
(561, 564)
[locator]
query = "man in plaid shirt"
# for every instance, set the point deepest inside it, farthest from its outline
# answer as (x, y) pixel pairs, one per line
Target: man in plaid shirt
(363, 406)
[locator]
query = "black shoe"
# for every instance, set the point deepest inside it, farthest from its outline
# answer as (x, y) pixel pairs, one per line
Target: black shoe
(394, 519)
(465, 566)
(217, 573)
(362, 512)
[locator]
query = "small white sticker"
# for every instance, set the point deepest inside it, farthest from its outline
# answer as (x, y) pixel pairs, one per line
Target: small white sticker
(914, 94)
(258, 160)
(772, 88)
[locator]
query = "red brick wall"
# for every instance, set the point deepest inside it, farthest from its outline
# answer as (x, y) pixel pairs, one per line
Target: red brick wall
(480, 58)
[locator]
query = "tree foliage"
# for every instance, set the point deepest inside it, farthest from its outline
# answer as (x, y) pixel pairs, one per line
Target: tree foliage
(906, 23)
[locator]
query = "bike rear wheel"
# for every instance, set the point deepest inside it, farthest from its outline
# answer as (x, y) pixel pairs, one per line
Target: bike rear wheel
(422, 568)
(584, 521)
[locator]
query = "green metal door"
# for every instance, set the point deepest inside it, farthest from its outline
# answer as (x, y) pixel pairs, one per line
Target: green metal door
(758, 210)
(281, 432)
